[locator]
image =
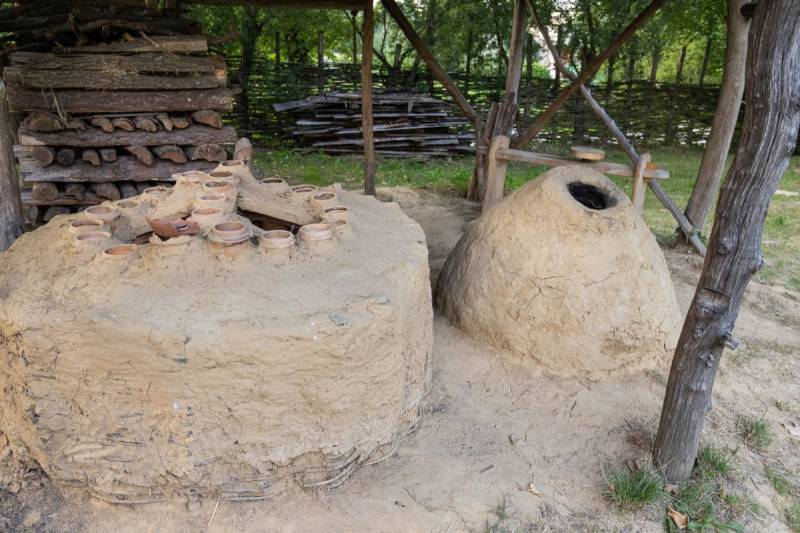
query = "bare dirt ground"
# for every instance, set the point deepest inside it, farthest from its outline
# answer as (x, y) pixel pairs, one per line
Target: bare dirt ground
(502, 446)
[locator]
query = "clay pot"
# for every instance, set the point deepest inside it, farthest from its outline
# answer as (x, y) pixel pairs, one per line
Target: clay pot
(190, 177)
(316, 232)
(172, 227)
(222, 175)
(230, 232)
(276, 183)
(336, 213)
(91, 238)
(122, 251)
(304, 191)
(207, 217)
(218, 186)
(84, 225)
(277, 239)
(232, 163)
(159, 191)
(106, 213)
(212, 200)
(324, 199)
(127, 205)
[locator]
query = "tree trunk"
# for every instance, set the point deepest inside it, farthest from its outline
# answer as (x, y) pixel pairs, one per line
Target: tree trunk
(10, 209)
(679, 72)
(725, 117)
(366, 101)
(630, 71)
(250, 31)
(654, 65)
(355, 40)
(769, 135)
(468, 67)
(704, 67)
(320, 60)
(559, 44)
(528, 59)
(610, 75)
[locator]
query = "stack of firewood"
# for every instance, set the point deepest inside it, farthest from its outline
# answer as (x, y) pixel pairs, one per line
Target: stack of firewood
(405, 124)
(122, 101)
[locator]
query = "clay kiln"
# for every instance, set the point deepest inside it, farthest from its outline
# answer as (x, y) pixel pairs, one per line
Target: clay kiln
(232, 361)
(564, 271)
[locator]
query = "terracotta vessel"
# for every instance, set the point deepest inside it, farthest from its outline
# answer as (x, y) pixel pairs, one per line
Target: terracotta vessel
(316, 232)
(106, 213)
(91, 238)
(324, 199)
(212, 200)
(229, 232)
(85, 224)
(218, 186)
(277, 239)
(207, 217)
(122, 251)
(304, 191)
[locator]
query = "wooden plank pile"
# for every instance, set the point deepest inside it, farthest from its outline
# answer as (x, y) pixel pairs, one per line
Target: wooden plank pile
(110, 100)
(405, 124)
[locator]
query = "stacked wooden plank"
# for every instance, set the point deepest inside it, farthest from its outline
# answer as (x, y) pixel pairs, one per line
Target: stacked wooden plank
(111, 112)
(405, 124)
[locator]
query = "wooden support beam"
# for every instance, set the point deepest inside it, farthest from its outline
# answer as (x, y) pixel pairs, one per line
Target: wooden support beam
(366, 100)
(514, 70)
(10, 209)
(638, 189)
(604, 167)
(496, 172)
(587, 73)
(436, 70)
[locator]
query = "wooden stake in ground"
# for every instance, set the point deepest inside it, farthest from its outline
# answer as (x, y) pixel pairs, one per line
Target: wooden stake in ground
(769, 135)
(725, 117)
(366, 101)
(10, 209)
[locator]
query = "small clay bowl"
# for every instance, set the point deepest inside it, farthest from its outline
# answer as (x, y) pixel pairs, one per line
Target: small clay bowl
(211, 200)
(190, 177)
(277, 239)
(159, 191)
(91, 238)
(85, 224)
(324, 199)
(122, 251)
(338, 212)
(230, 232)
(232, 163)
(222, 175)
(207, 217)
(223, 186)
(127, 205)
(304, 191)
(106, 213)
(316, 232)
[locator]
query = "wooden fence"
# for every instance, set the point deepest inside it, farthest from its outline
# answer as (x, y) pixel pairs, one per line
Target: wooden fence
(651, 114)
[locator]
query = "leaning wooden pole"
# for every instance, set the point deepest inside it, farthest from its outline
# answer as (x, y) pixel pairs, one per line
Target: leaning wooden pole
(366, 101)
(10, 210)
(769, 135)
(587, 73)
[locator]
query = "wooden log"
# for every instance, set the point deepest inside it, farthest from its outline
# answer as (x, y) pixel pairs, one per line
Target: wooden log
(366, 100)
(65, 156)
(75, 124)
(170, 43)
(127, 189)
(207, 152)
(110, 80)
(108, 155)
(103, 123)
(208, 117)
(639, 187)
(145, 123)
(163, 63)
(74, 190)
(194, 134)
(170, 152)
(122, 123)
(496, 172)
(125, 167)
(243, 151)
(54, 210)
(142, 185)
(604, 167)
(769, 135)
(165, 121)
(44, 191)
(181, 122)
(45, 155)
(106, 190)
(91, 157)
(42, 121)
(21, 99)
(142, 153)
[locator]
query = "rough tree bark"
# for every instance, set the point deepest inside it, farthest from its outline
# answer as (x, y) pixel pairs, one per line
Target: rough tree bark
(10, 210)
(769, 136)
(725, 117)
(704, 66)
(679, 71)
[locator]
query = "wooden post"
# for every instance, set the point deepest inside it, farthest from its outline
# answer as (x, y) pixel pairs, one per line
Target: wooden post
(366, 100)
(10, 209)
(320, 60)
(496, 172)
(438, 72)
(589, 71)
(769, 135)
(639, 186)
(515, 54)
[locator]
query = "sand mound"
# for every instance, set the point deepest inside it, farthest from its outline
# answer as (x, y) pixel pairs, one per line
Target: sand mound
(190, 367)
(564, 271)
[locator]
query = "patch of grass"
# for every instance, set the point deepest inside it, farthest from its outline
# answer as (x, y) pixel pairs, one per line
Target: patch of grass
(756, 432)
(793, 517)
(629, 490)
(712, 462)
(741, 504)
(778, 481)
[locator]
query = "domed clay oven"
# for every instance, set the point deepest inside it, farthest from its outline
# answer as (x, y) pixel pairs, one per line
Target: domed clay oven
(229, 361)
(564, 271)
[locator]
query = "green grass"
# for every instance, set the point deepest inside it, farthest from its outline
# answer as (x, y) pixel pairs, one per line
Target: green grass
(712, 462)
(629, 490)
(793, 517)
(778, 481)
(781, 238)
(756, 432)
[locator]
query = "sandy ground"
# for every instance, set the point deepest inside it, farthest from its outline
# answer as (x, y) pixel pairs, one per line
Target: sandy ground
(501, 446)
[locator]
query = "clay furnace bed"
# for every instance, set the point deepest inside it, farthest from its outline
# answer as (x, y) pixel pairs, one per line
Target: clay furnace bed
(197, 368)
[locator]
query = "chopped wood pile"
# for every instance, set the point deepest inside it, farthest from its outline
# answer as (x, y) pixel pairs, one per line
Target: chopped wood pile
(406, 124)
(110, 100)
